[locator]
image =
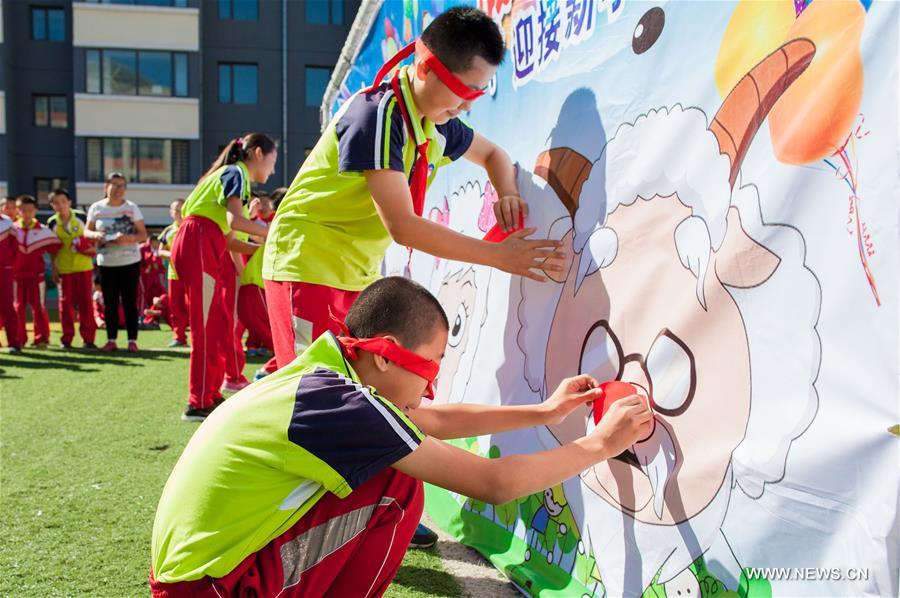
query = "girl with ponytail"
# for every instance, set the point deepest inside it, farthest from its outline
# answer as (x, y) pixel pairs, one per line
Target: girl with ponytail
(200, 255)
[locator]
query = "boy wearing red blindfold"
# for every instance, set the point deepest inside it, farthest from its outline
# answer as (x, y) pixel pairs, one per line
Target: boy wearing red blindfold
(364, 184)
(309, 482)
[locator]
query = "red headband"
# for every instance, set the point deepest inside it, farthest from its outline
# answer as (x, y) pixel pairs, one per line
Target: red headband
(447, 78)
(406, 359)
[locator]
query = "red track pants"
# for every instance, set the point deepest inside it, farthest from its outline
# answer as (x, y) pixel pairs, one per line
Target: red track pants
(298, 314)
(204, 266)
(253, 314)
(30, 291)
(76, 291)
(8, 307)
(376, 522)
(179, 310)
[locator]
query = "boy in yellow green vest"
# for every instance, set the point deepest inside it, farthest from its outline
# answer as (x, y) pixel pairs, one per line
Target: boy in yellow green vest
(309, 482)
(73, 269)
(363, 185)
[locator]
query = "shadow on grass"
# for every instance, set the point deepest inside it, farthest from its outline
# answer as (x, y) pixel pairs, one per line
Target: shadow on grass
(77, 359)
(425, 580)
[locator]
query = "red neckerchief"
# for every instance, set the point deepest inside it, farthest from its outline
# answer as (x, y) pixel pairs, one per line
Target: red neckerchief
(406, 359)
(418, 180)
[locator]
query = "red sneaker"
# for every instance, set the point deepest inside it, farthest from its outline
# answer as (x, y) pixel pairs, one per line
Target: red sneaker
(109, 347)
(132, 347)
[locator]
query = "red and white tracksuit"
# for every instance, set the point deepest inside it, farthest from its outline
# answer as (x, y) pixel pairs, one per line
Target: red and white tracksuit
(9, 248)
(29, 274)
(203, 263)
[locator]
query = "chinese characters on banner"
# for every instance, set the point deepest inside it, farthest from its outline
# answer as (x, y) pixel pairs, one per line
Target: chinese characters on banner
(543, 30)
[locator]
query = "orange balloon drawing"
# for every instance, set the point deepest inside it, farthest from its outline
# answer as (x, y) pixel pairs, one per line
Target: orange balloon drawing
(814, 116)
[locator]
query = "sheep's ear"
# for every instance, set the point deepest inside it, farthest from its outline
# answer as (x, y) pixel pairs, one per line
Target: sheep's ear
(566, 171)
(741, 262)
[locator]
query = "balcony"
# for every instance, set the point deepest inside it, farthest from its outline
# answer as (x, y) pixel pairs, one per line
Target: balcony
(99, 115)
(136, 27)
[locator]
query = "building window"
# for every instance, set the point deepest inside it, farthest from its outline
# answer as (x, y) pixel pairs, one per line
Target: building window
(175, 3)
(239, 10)
(51, 111)
(161, 161)
(131, 72)
(324, 12)
(317, 78)
(44, 186)
(238, 83)
(181, 73)
(48, 24)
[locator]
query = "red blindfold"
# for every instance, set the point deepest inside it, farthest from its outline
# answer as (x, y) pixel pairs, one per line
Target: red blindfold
(406, 359)
(447, 78)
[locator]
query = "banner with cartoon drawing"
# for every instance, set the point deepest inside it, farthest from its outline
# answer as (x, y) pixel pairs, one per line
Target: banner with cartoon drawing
(724, 179)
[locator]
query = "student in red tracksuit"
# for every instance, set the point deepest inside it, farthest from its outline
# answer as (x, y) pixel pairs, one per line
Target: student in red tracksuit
(9, 247)
(73, 271)
(158, 312)
(253, 315)
(28, 270)
(150, 284)
(270, 366)
(309, 483)
(200, 256)
(177, 296)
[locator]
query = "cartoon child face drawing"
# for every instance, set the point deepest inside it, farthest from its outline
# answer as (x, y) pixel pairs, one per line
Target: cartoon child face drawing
(457, 295)
(462, 290)
(553, 508)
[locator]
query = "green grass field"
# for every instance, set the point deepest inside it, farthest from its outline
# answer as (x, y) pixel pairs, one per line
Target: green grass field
(87, 441)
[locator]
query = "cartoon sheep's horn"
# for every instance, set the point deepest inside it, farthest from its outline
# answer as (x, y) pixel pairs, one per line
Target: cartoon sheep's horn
(748, 104)
(565, 170)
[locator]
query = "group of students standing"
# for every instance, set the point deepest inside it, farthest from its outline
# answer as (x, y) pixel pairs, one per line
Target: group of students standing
(110, 234)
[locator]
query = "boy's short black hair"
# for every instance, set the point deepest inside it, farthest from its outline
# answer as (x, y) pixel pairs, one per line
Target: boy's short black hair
(96, 278)
(460, 34)
(26, 199)
(399, 307)
(61, 191)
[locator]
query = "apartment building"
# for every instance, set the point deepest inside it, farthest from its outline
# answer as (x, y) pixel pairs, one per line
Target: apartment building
(154, 88)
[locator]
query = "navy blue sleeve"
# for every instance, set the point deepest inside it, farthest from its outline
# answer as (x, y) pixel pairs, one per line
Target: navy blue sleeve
(344, 424)
(370, 133)
(458, 137)
(232, 183)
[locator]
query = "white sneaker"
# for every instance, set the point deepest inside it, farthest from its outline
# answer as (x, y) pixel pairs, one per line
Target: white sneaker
(233, 387)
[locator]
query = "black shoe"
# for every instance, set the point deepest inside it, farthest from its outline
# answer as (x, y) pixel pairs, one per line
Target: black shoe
(194, 414)
(66, 346)
(15, 350)
(89, 346)
(423, 538)
(217, 401)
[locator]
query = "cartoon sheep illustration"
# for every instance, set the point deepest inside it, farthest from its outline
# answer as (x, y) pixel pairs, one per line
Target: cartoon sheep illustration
(675, 283)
